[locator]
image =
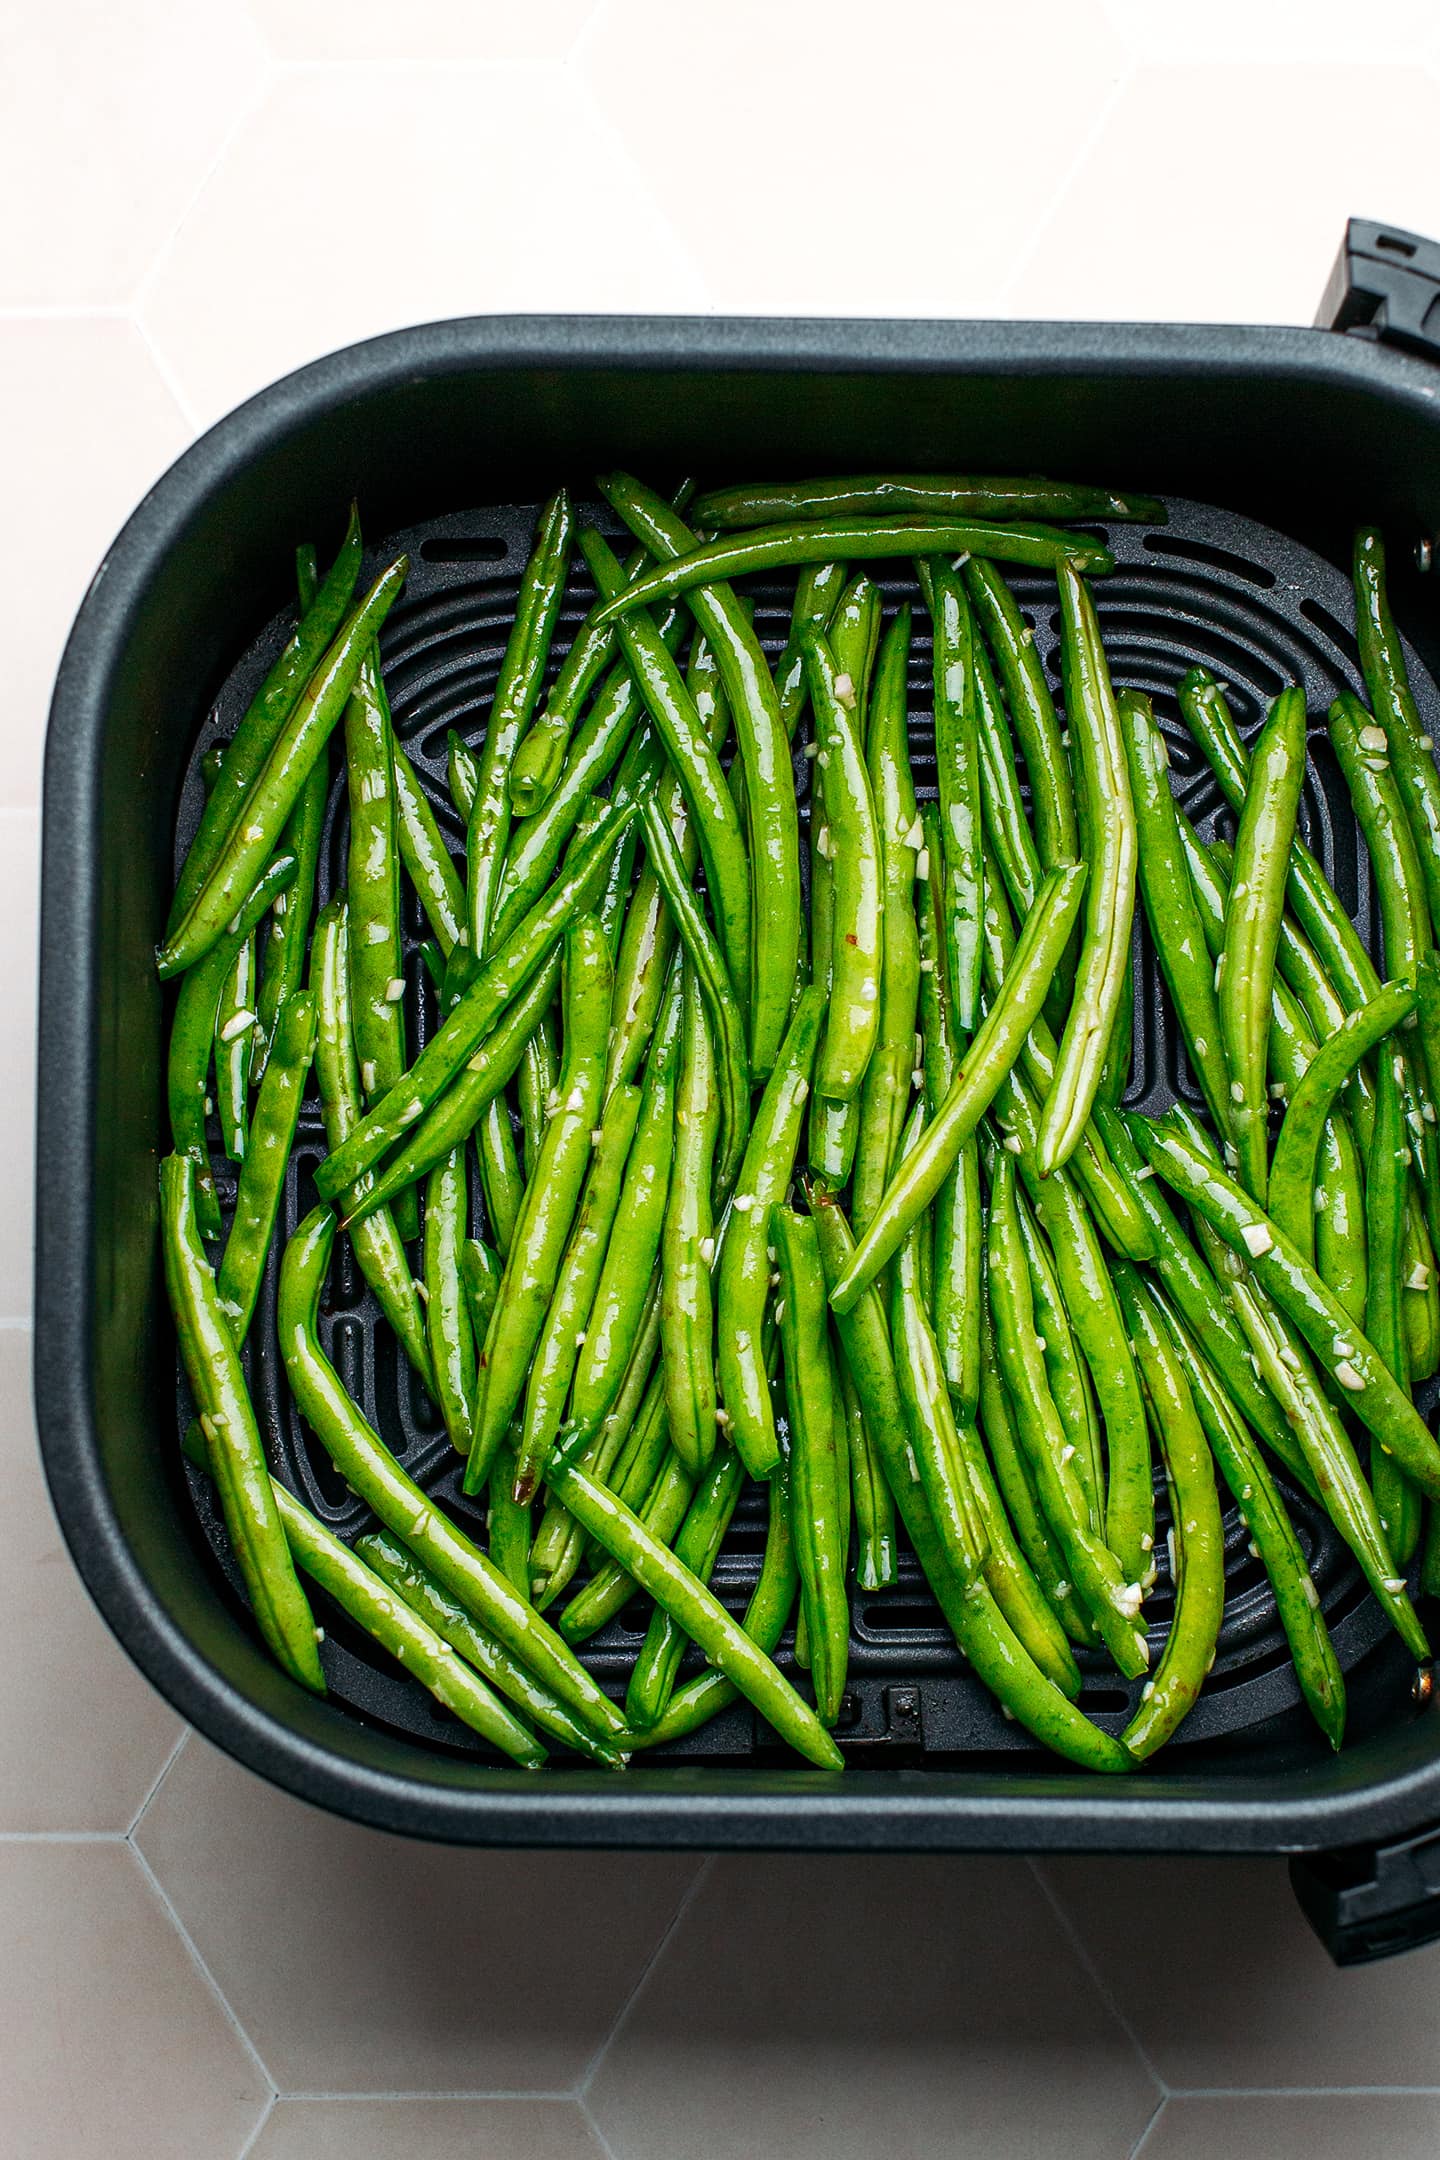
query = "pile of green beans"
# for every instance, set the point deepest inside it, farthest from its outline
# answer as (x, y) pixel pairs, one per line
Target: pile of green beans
(682, 1168)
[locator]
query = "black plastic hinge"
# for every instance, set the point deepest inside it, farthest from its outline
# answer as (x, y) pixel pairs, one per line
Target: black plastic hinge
(1374, 1902)
(1385, 285)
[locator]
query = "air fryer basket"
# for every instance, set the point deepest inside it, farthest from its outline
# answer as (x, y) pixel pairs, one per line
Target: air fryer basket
(1298, 436)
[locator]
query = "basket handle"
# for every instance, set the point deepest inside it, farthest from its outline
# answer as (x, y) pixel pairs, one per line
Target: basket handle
(1385, 285)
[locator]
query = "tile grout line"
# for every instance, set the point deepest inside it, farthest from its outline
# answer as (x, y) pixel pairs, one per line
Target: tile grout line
(1144, 2138)
(145, 283)
(587, 2077)
(1091, 1969)
(1062, 187)
(159, 1891)
(265, 2113)
(63, 1837)
(607, 2150)
(164, 1771)
(1304, 2092)
(169, 381)
(409, 2092)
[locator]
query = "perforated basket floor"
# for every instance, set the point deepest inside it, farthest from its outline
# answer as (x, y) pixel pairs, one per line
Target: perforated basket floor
(1209, 588)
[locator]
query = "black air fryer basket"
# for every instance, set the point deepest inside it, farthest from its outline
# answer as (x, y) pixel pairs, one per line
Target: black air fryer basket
(1269, 447)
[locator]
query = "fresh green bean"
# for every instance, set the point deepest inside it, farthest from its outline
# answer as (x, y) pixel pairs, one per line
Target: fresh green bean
(1104, 962)
(366, 1463)
(233, 1446)
(192, 1040)
(377, 982)
(549, 1206)
(1068, 1380)
(1171, 907)
(522, 671)
(688, 1244)
(743, 1274)
(657, 1663)
(1292, 1171)
(849, 837)
(1032, 712)
(262, 1175)
(539, 1072)
(633, 1439)
(1197, 1535)
(877, 1565)
(1385, 1184)
(235, 1050)
(819, 1478)
(480, 1271)
(769, 782)
(425, 855)
(540, 758)
(989, 1058)
(949, 496)
(282, 950)
(271, 796)
(264, 721)
(957, 766)
(1387, 679)
(501, 976)
(462, 775)
(447, 1311)
(1361, 750)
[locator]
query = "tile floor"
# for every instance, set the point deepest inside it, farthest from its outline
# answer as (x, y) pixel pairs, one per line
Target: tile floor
(202, 196)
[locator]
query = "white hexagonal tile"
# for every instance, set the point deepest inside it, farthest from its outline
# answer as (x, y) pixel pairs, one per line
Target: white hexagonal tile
(85, 1736)
(109, 119)
(112, 2046)
(835, 2008)
(98, 427)
(426, 2130)
(19, 899)
(1220, 194)
(363, 1963)
(460, 191)
(428, 30)
(1299, 2127)
(820, 162)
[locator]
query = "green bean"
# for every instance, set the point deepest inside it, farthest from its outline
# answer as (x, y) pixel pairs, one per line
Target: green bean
(662, 1510)
(860, 539)
(625, 1454)
(769, 783)
(397, 1566)
(642, 963)
(1171, 907)
(1097, 1574)
(1379, 1403)
(982, 1631)
(540, 758)
(696, 765)
(192, 1040)
(701, 1615)
(502, 1181)
(1244, 1470)
(501, 976)
(1104, 961)
(769, 1608)
(364, 1461)
(1361, 750)
(522, 671)
(275, 788)
(1008, 1576)
(1020, 1506)
(1111, 1201)
(633, 1252)
(480, 1271)
(657, 1663)
(507, 1521)
(1197, 1537)
(725, 1016)
(1032, 712)
(282, 950)
(467, 1101)
(1253, 910)
(951, 496)
(262, 1176)
(817, 595)
(929, 1417)
(1069, 1383)
(743, 1274)
(1292, 1172)
(989, 1058)
(849, 836)
(233, 1446)
(425, 855)
(462, 774)
(877, 1564)
(1387, 679)
(605, 737)
(538, 1073)
(688, 1245)
(1385, 1184)
(548, 1211)
(235, 1050)
(373, 885)
(447, 1311)
(1317, 910)
(818, 1477)
(957, 766)
(264, 721)
(561, 1337)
